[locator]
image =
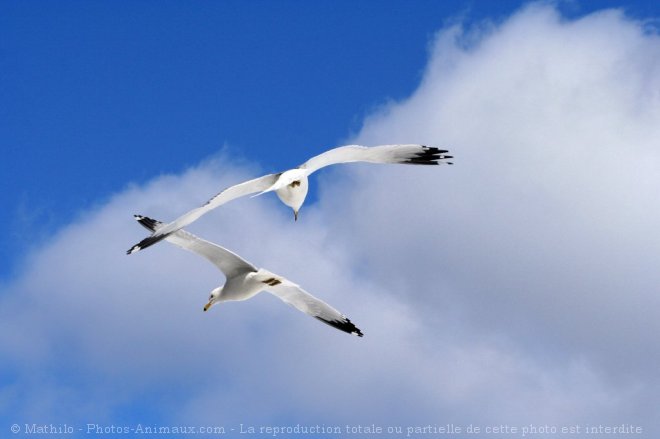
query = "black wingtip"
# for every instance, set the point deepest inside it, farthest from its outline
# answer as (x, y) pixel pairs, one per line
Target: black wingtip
(429, 155)
(149, 224)
(343, 325)
(146, 242)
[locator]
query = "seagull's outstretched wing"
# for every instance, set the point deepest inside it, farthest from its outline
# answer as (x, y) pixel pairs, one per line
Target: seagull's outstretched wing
(228, 262)
(248, 187)
(405, 154)
(305, 302)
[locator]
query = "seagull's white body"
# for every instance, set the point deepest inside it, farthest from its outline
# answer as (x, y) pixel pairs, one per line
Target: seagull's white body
(244, 280)
(291, 186)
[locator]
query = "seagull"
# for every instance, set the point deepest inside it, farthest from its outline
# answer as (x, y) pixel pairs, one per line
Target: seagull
(291, 186)
(244, 280)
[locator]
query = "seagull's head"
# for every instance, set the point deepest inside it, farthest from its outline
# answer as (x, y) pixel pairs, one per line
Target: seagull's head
(214, 298)
(298, 204)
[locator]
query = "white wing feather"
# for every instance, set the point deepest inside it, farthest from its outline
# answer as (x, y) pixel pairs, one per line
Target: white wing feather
(305, 302)
(227, 261)
(408, 153)
(231, 193)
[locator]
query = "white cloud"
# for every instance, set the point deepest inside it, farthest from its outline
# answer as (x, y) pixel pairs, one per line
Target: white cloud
(516, 287)
(556, 132)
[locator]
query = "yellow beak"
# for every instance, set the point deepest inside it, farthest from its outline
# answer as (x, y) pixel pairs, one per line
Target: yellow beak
(207, 306)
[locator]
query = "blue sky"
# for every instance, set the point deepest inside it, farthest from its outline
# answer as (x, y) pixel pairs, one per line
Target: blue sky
(538, 266)
(108, 95)
(99, 95)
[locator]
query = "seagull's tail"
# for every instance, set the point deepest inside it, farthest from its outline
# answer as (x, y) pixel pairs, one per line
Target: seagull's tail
(427, 155)
(149, 224)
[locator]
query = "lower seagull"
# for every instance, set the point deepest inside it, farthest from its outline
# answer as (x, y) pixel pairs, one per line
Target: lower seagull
(244, 280)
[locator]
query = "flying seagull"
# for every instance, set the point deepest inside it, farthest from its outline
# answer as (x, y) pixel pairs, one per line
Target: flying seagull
(291, 186)
(244, 280)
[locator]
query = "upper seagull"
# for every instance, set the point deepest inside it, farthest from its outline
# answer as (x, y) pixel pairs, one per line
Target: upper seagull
(244, 280)
(291, 186)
